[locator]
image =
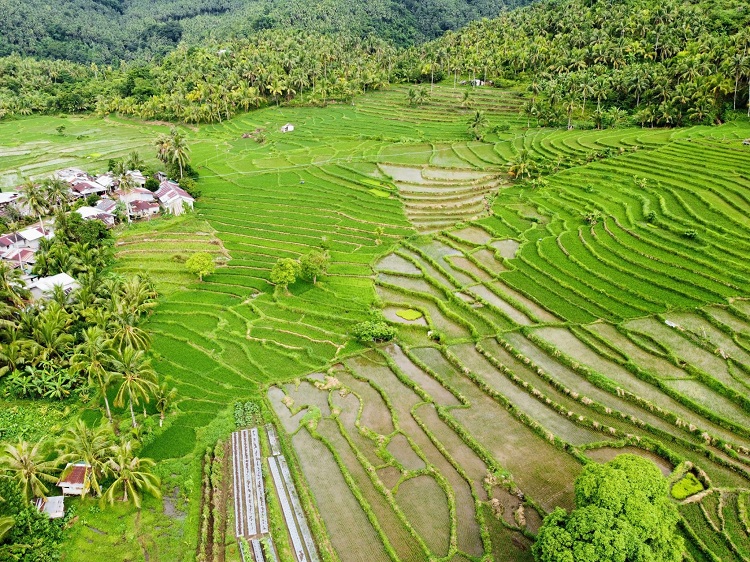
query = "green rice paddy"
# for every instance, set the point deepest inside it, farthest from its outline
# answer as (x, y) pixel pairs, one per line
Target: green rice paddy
(530, 342)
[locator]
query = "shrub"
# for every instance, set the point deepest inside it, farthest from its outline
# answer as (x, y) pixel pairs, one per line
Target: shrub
(686, 486)
(374, 331)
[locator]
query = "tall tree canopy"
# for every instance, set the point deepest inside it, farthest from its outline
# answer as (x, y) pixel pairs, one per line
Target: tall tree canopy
(623, 514)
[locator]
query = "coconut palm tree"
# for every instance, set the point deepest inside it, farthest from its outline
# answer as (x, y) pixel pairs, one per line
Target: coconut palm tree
(90, 445)
(134, 161)
(13, 290)
(179, 150)
(164, 399)
(126, 187)
(138, 378)
(477, 124)
(93, 357)
(36, 198)
(27, 464)
(123, 326)
(138, 294)
(6, 524)
(131, 475)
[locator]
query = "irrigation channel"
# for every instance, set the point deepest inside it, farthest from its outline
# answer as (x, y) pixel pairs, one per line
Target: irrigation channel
(250, 512)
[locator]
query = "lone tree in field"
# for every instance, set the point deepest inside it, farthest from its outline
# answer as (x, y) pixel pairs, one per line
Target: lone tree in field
(201, 264)
(623, 514)
(285, 272)
(314, 264)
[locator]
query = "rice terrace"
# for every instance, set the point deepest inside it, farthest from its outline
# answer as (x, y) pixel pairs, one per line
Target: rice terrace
(540, 326)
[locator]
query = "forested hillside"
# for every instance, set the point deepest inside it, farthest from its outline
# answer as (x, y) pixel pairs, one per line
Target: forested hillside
(671, 62)
(584, 64)
(105, 31)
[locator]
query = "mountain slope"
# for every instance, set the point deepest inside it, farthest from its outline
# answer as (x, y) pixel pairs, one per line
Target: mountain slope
(104, 31)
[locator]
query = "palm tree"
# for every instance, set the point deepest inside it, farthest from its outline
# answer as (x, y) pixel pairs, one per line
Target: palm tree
(138, 378)
(164, 399)
(521, 166)
(134, 161)
(477, 124)
(123, 326)
(138, 294)
(57, 192)
(163, 148)
(126, 187)
(26, 463)
(6, 524)
(36, 199)
(90, 445)
(131, 475)
(13, 290)
(93, 357)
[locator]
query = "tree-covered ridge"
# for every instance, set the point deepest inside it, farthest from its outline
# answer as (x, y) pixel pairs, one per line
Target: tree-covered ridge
(203, 84)
(671, 62)
(105, 31)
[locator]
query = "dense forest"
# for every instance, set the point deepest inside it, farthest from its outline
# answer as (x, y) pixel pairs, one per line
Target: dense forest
(671, 62)
(584, 64)
(106, 31)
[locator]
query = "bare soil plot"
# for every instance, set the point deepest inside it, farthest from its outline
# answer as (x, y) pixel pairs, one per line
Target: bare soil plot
(400, 448)
(652, 363)
(686, 350)
(473, 234)
(425, 505)
(548, 418)
(464, 265)
(389, 475)
(438, 392)
(305, 394)
(507, 248)
(487, 258)
(509, 310)
(392, 526)
(351, 533)
(472, 465)
(277, 398)
(723, 315)
(395, 263)
(710, 335)
(375, 413)
(403, 400)
(507, 545)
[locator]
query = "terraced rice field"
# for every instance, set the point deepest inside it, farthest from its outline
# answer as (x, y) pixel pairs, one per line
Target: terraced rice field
(538, 328)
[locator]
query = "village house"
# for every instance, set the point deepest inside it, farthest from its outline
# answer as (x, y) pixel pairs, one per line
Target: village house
(8, 197)
(94, 213)
(53, 506)
(143, 209)
(44, 286)
(74, 480)
(84, 188)
(19, 258)
(173, 198)
(136, 177)
(107, 180)
(106, 205)
(133, 195)
(70, 174)
(33, 235)
(11, 240)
